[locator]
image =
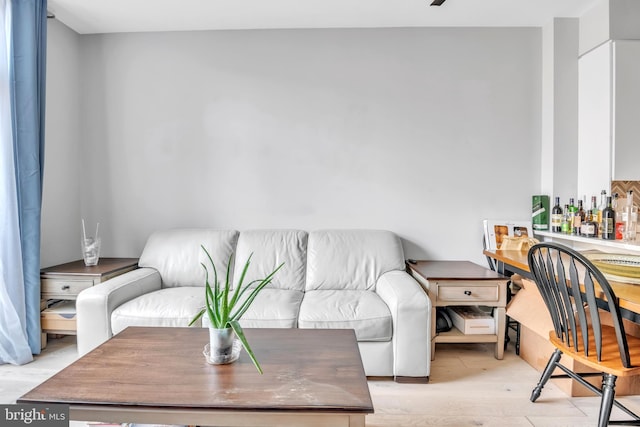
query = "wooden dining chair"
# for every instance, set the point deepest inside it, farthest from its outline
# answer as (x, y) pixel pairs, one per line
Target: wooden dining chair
(573, 289)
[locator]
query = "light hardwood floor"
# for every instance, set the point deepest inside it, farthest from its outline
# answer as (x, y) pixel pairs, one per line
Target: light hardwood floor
(468, 387)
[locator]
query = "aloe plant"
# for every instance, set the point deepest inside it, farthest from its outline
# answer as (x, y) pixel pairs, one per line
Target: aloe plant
(225, 307)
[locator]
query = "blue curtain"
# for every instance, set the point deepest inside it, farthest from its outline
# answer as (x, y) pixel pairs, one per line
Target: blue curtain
(14, 347)
(27, 67)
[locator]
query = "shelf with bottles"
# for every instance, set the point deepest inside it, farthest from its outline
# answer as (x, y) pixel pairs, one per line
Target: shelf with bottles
(587, 243)
(609, 227)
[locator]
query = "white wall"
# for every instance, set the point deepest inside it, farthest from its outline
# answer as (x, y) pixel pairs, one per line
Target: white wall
(424, 132)
(61, 193)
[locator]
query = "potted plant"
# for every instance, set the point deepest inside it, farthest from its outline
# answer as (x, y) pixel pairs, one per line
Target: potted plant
(225, 306)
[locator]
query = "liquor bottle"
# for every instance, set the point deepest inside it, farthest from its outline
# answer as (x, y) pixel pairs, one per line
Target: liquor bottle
(578, 218)
(556, 217)
(590, 227)
(601, 206)
(565, 226)
(573, 210)
(618, 208)
(608, 221)
(629, 218)
(581, 213)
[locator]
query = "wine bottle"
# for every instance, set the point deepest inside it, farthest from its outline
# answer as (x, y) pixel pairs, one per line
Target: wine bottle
(578, 218)
(601, 206)
(608, 221)
(556, 217)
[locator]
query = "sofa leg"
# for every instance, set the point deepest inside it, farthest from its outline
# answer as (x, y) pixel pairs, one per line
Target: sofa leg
(411, 380)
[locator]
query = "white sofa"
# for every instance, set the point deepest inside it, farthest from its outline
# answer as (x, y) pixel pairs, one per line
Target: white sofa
(331, 279)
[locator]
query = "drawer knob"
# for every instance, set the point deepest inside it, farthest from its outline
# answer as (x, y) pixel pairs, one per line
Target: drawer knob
(65, 287)
(467, 292)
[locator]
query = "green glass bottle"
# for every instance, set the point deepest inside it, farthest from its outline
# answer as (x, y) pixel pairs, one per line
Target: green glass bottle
(565, 225)
(573, 212)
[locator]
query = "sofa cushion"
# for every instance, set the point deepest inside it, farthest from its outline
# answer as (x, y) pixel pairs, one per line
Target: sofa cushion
(271, 248)
(273, 308)
(165, 307)
(177, 254)
(351, 259)
(363, 311)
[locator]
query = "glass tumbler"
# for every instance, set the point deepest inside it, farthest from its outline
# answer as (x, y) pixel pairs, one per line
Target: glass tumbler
(91, 251)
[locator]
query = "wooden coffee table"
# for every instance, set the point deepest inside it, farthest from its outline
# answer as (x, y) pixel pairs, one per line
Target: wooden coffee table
(312, 377)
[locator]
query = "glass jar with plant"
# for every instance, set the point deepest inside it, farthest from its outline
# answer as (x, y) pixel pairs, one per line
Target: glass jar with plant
(224, 307)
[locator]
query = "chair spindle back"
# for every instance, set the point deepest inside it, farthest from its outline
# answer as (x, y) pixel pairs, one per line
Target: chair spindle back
(569, 283)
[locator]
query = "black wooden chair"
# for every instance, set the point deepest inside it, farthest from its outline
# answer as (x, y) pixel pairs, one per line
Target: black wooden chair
(572, 288)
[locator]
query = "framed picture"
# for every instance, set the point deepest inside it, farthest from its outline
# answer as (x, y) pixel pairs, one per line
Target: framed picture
(495, 230)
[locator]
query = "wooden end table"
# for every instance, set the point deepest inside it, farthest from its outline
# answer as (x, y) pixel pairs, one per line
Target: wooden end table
(64, 282)
(451, 283)
(312, 377)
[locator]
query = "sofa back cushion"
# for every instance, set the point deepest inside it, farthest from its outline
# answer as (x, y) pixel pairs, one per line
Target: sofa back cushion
(177, 255)
(351, 259)
(271, 248)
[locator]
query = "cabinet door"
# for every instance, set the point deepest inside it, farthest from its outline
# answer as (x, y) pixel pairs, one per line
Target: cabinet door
(626, 137)
(594, 121)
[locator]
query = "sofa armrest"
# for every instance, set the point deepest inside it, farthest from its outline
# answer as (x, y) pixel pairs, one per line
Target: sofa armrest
(411, 312)
(95, 304)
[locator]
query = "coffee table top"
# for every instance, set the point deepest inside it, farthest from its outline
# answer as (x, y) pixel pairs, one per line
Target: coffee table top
(304, 370)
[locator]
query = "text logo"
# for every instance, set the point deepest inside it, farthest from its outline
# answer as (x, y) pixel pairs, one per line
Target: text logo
(34, 415)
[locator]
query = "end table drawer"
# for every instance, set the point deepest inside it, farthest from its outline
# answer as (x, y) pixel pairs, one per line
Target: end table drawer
(63, 288)
(54, 322)
(59, 317)
(471, 293)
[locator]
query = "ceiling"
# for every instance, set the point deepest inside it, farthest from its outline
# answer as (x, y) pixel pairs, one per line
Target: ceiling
(107, 16)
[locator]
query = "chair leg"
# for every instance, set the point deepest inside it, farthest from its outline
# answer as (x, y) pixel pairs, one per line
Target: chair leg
(506, 333)
(546, 374)
(608, 395)
(515, 326)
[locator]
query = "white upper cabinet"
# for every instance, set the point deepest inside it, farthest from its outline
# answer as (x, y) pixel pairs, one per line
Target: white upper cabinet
(608, 116)
(594, 121)
(626, 110)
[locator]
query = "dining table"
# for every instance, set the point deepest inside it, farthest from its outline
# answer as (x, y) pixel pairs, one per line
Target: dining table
(515, 261)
